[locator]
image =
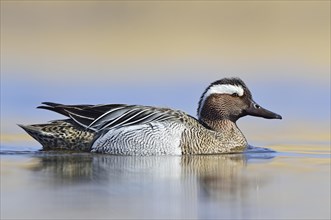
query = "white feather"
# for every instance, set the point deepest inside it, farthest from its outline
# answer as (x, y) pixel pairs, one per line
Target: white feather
(154, 138)
(221, 89)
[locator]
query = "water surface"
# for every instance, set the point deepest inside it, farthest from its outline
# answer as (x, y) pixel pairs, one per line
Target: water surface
(289, 182)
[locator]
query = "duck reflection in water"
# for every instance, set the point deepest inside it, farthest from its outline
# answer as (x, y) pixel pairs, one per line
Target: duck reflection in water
(208, 175)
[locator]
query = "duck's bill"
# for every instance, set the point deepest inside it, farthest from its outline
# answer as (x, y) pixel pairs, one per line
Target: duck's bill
(258, 111)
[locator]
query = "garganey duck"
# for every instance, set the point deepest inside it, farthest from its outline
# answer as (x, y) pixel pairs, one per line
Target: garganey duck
(144, 130)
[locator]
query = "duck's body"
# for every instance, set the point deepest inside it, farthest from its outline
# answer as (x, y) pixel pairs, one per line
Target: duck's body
(143, 130)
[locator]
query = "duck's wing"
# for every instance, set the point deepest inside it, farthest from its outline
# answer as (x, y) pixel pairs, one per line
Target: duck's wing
(100, 117)
(84, 114)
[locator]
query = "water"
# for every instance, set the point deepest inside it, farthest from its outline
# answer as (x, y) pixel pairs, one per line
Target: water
(285, 182)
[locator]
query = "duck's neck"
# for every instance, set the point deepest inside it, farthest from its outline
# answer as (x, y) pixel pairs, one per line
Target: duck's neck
(227, 128)
(219, 125)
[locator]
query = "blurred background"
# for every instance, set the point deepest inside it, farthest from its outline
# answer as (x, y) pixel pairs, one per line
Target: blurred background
(165, 53)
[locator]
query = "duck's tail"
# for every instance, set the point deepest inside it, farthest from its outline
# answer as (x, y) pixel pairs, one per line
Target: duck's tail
(61, 135)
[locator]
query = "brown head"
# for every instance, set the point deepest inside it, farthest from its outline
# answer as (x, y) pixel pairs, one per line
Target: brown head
(230, 99)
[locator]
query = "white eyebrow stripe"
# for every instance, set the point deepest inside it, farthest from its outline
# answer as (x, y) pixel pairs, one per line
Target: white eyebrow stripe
(224, 89)
(221, 89)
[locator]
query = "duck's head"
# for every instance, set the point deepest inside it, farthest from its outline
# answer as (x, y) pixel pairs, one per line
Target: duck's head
(229, 98)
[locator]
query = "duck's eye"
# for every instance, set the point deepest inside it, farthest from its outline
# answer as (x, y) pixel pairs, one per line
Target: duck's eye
(235, 95)
(257, 106)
